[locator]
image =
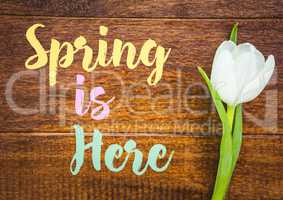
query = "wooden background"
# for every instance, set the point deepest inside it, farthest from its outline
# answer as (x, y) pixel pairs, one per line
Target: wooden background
(36, 148)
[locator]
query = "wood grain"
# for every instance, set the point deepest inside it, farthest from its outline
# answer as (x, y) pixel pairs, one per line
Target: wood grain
(36, 149)
(180, 103)
(146, 8)
(37, 167)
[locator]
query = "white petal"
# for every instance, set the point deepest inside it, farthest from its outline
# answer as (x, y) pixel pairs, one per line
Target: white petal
(243, 69)
(243, 48)
(225, 45)
(248, 66)
(222, 77)
(249, 62)
(260, 61)
(255, 87)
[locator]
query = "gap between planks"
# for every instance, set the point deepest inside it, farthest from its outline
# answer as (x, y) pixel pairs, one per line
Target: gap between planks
(181, 135)
(148, 18)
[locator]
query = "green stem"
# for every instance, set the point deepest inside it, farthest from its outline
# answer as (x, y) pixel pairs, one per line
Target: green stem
(226, 158)
(237, 136)
(231, 121)
(230, 115)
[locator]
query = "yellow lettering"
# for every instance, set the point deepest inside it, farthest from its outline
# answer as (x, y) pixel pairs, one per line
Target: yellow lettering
(80, 43)
(40, 55)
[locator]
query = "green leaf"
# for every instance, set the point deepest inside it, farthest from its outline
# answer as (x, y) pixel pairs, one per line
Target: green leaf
(226, 152)
(234, 33)
(215, 97)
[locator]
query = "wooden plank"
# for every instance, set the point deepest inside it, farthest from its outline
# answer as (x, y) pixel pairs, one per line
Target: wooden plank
(37, 167)
(146, 8)
(179, 103)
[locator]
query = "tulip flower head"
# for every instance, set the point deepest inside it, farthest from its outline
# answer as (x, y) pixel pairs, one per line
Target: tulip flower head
(240, 72)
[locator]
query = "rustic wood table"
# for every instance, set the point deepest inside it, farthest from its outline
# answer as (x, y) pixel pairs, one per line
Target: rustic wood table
(37, 139)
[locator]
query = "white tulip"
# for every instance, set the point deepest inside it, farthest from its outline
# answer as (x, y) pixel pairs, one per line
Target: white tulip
(240, 72)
